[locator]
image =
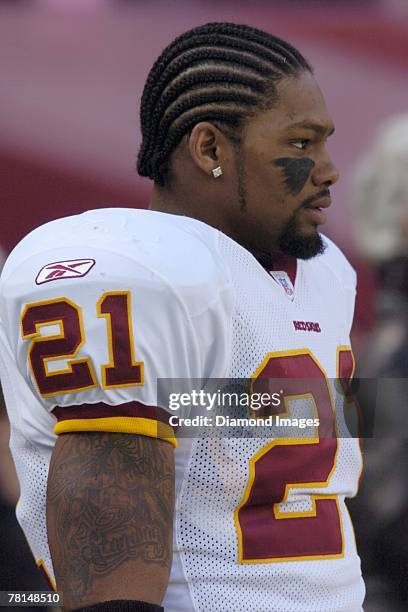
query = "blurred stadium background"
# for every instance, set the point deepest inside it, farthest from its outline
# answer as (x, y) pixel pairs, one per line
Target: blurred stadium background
(72, 73)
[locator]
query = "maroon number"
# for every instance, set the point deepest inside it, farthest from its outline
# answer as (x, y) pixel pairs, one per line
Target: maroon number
(353, 414)
(78, 374)
(122, 369)
(345, 368)
(266, 533)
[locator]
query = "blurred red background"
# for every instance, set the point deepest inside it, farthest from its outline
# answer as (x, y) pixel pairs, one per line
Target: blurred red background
(73, 73)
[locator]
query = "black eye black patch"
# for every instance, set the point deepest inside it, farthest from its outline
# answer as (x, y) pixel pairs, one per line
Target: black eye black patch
(296, 172)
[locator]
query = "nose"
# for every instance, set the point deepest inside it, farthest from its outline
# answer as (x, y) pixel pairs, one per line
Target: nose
(325, 172)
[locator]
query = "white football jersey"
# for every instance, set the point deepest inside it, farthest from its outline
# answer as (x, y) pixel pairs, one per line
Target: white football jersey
(96, 308)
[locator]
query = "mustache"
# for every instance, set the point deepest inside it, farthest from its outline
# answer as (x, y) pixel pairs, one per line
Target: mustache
(325, 193)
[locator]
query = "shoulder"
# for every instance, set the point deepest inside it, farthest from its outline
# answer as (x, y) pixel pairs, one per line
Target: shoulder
(336, 263)
(161, 252)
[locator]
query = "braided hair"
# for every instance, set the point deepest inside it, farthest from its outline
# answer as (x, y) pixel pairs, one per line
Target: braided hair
(218, 72)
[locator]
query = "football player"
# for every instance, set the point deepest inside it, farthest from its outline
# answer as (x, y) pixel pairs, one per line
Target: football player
(225, 277)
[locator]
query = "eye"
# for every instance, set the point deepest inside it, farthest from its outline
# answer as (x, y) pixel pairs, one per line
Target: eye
(300, 144)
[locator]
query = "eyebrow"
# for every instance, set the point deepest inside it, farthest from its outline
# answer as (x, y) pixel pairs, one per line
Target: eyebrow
(317, 127)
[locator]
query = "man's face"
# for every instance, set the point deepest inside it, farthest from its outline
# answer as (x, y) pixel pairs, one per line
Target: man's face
(284, 172)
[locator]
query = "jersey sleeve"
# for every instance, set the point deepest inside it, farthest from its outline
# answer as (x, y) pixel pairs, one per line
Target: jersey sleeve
(92, 348)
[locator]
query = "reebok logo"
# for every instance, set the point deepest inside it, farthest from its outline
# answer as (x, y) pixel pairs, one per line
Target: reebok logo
(58, 270)
(309, 326)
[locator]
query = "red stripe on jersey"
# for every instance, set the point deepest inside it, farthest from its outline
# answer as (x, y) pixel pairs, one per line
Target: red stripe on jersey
(101, 410)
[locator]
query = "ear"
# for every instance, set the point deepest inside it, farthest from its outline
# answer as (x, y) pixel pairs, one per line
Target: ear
(207, 146)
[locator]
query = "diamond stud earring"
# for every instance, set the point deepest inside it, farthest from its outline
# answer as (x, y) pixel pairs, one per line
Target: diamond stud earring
(217, 171)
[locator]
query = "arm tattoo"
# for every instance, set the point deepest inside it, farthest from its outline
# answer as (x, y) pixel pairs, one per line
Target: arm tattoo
(111, 497)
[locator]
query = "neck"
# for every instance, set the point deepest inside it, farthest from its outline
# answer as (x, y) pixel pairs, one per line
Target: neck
(190, 203)
(163, 200)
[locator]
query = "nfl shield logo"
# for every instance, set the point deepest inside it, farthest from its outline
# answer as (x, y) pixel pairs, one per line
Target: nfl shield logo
(282, 278)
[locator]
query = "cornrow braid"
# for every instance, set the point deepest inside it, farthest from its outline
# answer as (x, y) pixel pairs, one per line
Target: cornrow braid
(219, 72)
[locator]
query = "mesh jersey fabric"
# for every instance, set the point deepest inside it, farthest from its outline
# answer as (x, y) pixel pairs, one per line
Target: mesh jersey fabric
(202, 307)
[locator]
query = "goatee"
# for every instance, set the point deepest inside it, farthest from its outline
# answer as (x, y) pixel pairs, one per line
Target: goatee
(296, 245)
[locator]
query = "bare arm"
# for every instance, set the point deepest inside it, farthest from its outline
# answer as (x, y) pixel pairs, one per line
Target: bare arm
(110, 516)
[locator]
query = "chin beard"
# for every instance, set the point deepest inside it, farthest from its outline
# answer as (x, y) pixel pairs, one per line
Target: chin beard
(296, 245)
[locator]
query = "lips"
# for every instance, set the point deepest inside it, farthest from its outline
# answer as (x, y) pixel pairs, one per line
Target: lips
(319, 203)
(314, 205)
